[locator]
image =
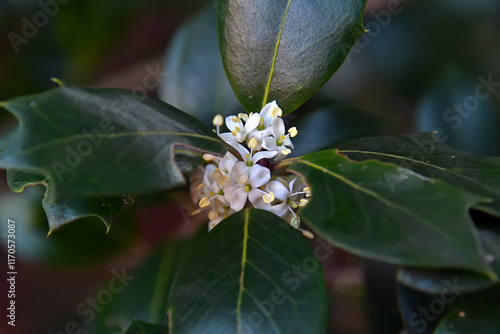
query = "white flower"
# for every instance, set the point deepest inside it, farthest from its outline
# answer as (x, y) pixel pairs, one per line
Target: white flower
(279, 142)
(282, 198)
(249, 157)
(245, 182)
(239, 131)
(225, 163)
(266, 117)
(226, 184)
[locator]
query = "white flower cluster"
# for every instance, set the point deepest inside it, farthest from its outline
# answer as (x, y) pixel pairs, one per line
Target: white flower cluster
(227, 183)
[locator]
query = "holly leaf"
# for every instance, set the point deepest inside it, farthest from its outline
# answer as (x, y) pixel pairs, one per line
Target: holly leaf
(69, 247)
(476, 315)
(285, 50)
(90, 142)
(255, 272)
(63, 211)
(424, 154)
(422, 312)
(149, 289)
(196, 82)
(435, 281)
(141, 327)
(415, 221)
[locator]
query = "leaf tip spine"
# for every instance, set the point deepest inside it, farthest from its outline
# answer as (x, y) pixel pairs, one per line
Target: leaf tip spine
(58, 81)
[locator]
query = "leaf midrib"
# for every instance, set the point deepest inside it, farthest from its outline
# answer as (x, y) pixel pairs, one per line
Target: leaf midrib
(275, 55)
(425, 164)
(239, 327)
(380, 198)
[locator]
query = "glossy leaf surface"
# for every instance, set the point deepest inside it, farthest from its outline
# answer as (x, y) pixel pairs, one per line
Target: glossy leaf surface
(252, 272)
(415, 221)
(424, 154)
(285, 50)
(141, 327)
(102, 142)
(196, 82)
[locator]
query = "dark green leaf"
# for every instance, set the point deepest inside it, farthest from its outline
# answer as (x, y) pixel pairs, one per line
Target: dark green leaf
(252, 273)
(7, 137)
(340, 122)
(145, 297)
(434, 281)
(196, 82)
(79, 244)
(140, 327)
(478, 315)
(414, 221)
(285, 50)
(63, 211)
(425, 155)
(421, 312)
(102, 142)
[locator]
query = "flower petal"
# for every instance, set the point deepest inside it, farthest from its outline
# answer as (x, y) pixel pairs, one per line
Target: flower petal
(280, 191)
(258, 176)
(263, 154)
(279, 210)
(278, 127)
(255, 197)
(252, 123)
(227, 137)
(238, 199)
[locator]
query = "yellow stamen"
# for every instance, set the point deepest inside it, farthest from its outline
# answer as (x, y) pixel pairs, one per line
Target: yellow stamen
(234, 133)
(307, 234)
(217, 121)
(243, 116)
(294, 205)
(217, 174)
(252, 143)
(303, 202)
(242, 179)
(282, 137)
(286, 151)
(235, 119)
(268, 198)
(213, 215)
(293, 132)
(195, 212)
(208, 157)
(295, 222)
(247, 188)
(200, 186)
(204, 202)
(223, 180)
(276, 112)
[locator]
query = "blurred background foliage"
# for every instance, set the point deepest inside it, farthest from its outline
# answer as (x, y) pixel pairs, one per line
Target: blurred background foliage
(419, 59)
